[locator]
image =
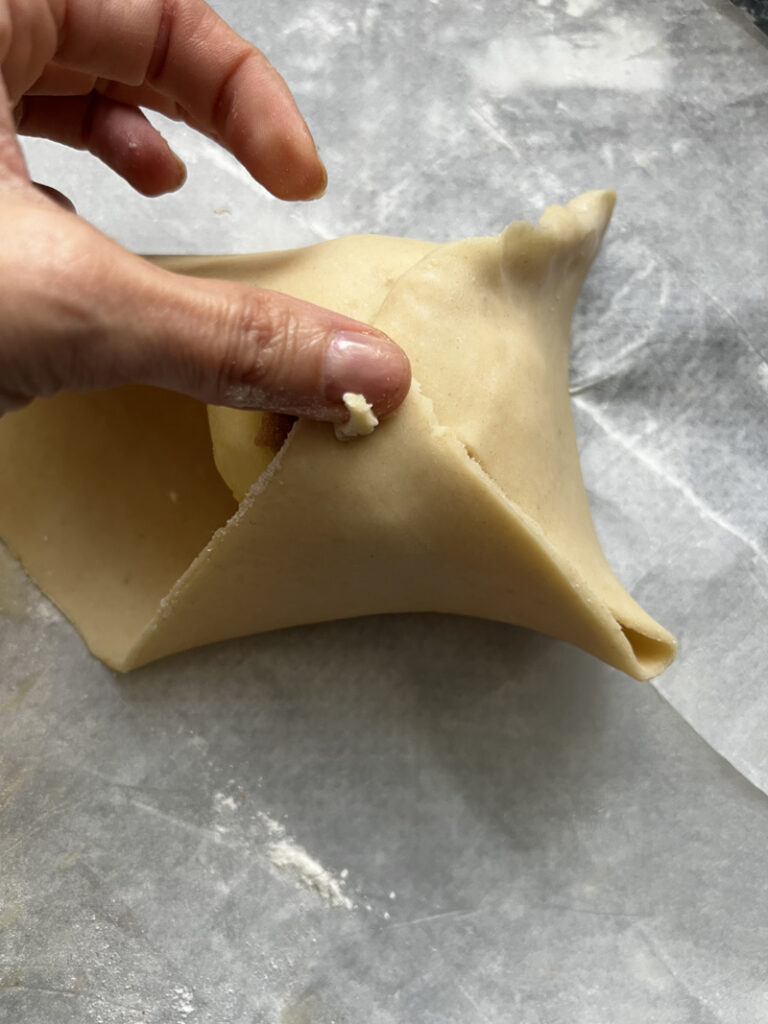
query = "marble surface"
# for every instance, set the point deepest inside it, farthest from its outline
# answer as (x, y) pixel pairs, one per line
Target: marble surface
(522, 834)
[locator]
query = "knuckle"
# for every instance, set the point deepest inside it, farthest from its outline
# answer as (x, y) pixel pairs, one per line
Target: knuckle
(51, 337)
(262, 341)
(162, 41)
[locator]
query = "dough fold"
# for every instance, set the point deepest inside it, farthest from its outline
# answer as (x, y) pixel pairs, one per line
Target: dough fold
(469, 500)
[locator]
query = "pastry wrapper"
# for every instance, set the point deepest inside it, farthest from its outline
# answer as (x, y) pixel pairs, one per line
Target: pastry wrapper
(468, 500)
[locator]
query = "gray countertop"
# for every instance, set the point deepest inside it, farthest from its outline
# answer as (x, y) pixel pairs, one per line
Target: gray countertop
(425, 819)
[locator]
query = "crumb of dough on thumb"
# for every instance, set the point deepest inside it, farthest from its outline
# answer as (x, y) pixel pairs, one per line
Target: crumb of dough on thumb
(362, 419)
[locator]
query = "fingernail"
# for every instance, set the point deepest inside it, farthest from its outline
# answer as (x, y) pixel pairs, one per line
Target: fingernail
(320, 190)
(181, 172)
(369, 365)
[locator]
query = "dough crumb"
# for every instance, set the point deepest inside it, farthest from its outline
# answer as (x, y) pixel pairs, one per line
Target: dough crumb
(362, 419)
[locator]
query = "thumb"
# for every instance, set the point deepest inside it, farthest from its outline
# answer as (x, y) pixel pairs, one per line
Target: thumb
(104, 317)
(231, 344)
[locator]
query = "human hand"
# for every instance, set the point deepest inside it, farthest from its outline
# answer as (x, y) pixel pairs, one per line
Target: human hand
(79, 312)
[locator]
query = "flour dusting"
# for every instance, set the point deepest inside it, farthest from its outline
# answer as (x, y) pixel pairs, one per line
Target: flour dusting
(223, 802)
(613, 53)
(578, 8)
(183, 1001)
(291, 857)
(273, 827)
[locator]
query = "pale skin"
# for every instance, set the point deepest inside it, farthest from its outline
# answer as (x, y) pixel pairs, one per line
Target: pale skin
(77, 311)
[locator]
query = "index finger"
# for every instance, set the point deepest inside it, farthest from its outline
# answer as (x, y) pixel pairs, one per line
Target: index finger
(184, 50)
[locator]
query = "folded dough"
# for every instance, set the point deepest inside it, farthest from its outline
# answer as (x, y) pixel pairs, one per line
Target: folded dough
(468, 500)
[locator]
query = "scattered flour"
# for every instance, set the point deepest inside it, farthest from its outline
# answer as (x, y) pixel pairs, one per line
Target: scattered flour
(183, 1001)
(290, 857)
(613, 53)
(46, 611)
(222, 802)
(578, 8)
(273, 827)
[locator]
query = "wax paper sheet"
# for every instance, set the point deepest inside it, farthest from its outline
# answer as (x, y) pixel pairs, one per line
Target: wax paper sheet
(519, 833)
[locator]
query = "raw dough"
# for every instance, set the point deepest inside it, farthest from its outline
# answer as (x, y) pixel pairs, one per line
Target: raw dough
(362, 419)
(468, 500)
